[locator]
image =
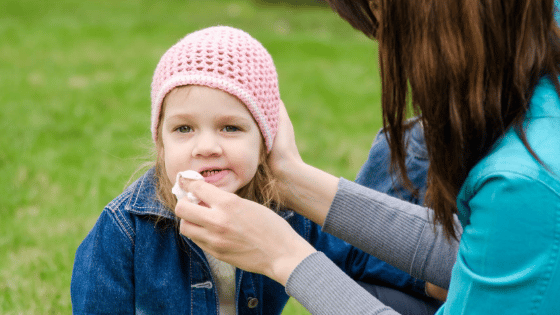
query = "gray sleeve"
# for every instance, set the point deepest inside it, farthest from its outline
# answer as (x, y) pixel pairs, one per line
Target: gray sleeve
(392, 230)
(322, 288)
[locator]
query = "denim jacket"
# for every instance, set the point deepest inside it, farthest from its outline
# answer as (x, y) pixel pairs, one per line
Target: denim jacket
(375, 172)
(129, 265)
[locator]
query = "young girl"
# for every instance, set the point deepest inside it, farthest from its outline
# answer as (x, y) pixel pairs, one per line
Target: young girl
(215, 103)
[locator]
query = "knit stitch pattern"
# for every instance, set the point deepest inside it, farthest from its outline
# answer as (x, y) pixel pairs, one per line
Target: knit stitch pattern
(224, 58)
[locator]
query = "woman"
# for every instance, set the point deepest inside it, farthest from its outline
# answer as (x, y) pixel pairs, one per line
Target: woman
(483, 75)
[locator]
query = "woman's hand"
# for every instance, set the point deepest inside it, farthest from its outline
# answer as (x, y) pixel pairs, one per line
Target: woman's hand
(284, 154)
(240, 232)
(304, 188)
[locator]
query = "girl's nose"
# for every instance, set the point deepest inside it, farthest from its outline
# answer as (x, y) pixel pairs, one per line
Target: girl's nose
(207, 144)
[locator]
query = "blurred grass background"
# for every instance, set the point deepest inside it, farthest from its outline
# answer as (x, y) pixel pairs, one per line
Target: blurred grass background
(75, 109)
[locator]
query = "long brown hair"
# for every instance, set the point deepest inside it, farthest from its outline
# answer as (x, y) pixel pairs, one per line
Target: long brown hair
(262, 188)
(469, 68)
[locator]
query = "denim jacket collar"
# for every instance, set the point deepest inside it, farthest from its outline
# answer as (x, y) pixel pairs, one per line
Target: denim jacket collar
(143, 200)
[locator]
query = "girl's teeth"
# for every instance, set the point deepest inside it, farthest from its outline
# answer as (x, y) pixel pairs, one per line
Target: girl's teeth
(209, 173)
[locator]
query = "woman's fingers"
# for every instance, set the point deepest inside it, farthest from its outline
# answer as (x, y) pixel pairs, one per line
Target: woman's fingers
(210, 197)
(285, 142)
(191, 230)
(209, 194)
(219, 218)
(194, 213)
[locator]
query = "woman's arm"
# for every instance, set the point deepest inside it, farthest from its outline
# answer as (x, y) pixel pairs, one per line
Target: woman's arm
(322, 288)
(308, 190)
(393, 230)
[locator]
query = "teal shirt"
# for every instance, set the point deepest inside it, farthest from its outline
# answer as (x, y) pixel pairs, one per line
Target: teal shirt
(509, 206)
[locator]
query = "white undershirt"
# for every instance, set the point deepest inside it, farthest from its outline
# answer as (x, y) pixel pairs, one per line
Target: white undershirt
(224, 276)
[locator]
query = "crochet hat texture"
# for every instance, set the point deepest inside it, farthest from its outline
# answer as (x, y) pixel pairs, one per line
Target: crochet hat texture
(223, 58)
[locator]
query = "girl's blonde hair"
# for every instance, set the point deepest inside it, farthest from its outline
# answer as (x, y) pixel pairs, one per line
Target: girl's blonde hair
(261, 189)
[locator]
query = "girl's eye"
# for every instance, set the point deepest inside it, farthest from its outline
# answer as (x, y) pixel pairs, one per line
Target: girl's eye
(184, 129)
(230, 129)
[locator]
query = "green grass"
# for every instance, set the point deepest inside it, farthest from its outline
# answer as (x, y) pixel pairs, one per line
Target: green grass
(75, 108)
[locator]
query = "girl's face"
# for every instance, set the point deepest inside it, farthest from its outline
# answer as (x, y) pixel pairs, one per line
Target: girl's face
(211, 132)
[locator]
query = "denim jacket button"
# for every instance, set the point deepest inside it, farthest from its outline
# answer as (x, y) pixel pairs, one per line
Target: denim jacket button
(252, 302)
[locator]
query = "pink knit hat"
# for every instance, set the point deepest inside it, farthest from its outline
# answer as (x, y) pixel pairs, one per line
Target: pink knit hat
(223, 58)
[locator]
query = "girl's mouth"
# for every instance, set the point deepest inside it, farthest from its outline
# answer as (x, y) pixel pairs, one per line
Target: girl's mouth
(214, 175)
(209, 173)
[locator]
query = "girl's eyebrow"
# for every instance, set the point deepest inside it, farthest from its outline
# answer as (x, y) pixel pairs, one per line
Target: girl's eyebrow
(234, 118)
(178, 116)
(222, 119)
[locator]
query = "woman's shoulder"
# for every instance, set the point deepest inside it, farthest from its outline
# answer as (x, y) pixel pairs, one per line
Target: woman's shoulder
(509, 207)
(512, 163)
(542, 130)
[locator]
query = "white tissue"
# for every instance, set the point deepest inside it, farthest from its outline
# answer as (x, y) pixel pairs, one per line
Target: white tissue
(179, 192)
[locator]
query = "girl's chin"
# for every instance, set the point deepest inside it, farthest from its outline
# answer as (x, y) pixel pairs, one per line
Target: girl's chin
(225, 180)
(227, 186)
(233, 188)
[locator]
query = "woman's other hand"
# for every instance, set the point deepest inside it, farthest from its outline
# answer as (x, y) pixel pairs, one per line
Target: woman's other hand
(241, 232)
(304, 188)
(284, 152)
